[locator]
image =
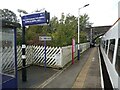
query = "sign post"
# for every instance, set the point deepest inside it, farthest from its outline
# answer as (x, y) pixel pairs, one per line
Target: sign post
(24, 72)
(45, 54)
(73, 50)
(45, 38)
(38, 18)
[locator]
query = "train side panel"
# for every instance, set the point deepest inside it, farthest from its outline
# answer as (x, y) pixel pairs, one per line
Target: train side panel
(112, 35)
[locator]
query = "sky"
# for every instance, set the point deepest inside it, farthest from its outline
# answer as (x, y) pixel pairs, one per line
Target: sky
(101, 12)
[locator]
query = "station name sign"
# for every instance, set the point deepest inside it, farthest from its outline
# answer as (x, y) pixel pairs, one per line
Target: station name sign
(40, 18)
(45, 38)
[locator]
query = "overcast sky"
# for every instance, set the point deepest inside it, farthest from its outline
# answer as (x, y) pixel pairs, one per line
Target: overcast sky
(101, 12)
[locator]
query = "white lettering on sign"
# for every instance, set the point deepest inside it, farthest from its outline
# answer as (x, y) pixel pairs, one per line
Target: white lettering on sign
(37, 19)
(34, 19)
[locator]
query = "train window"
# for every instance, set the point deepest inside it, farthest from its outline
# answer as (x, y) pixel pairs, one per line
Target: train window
(111, 49)
(106, 46)
(103, 44)
(117, 64)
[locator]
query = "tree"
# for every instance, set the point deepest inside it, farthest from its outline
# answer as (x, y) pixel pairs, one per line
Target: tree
(62, 31)
(8, 15)
(83, 37)
(65, 30)
(84, 21)
(53, 24)
(19, 36)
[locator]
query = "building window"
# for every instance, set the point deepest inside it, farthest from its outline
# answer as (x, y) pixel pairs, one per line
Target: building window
(117, 64)
(111, 49)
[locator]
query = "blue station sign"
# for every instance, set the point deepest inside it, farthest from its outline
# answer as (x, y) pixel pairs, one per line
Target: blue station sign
(35, 19)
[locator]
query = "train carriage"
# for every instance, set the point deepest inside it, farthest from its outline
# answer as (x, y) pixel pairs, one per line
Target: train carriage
(110, 49)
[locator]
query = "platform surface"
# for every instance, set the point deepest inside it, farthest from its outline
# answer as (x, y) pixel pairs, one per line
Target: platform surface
(84, 73)
(89, 76)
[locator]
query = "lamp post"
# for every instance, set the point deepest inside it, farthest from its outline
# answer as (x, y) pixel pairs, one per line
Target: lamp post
(79, 30)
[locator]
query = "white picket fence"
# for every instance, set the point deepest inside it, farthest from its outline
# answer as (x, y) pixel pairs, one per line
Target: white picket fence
(55, 56)
(7, 59)
(29, 55)
(35, 55)
(51, 52)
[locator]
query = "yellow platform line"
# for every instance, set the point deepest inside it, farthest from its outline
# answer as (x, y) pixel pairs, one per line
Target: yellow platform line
(79, 82)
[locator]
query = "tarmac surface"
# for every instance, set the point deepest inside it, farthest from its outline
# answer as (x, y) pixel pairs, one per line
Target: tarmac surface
(36, 75)
(67, 78)
(89, 76)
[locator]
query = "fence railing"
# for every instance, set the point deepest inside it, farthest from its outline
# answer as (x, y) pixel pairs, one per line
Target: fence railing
(55, 56)
(66, 55)
(51, 53)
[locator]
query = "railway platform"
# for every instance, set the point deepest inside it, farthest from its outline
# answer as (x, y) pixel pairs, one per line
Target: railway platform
(84, 73)
(89, 76)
